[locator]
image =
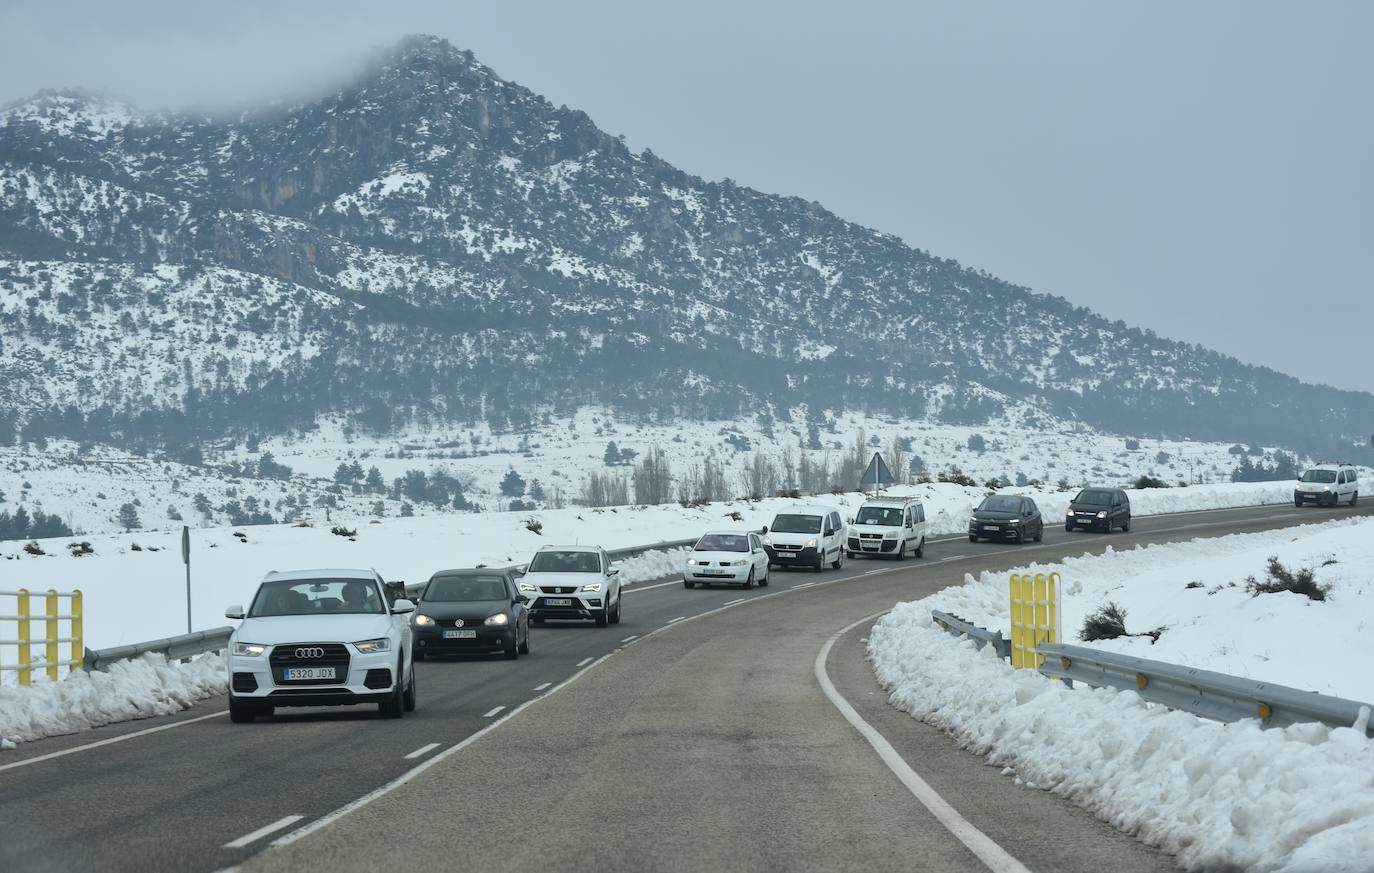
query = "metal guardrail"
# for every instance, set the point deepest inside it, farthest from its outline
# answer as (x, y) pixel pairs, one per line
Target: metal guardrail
(183, 646)
(980, 636)
(1217, 696)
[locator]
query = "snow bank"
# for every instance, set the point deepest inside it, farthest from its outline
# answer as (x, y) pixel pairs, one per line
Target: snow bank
(1219, 796)
(652, 565)
(140, 688)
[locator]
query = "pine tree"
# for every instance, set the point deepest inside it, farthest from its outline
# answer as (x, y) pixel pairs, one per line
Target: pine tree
(128, 518)
(612, 455)
(512, 485)
(374, 481)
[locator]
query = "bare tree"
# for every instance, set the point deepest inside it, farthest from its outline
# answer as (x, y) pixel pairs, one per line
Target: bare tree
(896, 460)
(789, 468)
(605, 489)
(653, 479)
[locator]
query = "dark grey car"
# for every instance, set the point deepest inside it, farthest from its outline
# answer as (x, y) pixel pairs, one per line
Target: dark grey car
(466, 611)
(1101, 509)
(1006, 516)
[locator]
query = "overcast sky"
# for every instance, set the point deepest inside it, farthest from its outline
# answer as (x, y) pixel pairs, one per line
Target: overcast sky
(1203, 169)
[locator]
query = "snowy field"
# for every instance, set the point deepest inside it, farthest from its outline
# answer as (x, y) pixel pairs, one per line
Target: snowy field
(1218, 796)
(86, 486)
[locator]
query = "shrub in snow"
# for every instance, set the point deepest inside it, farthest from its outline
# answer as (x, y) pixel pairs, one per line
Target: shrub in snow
(1150, 482)
(734, 516)
(81, 548)
(33, 548)
(1108, 623)
(339, 530)
(534, 526)
(1280, 578)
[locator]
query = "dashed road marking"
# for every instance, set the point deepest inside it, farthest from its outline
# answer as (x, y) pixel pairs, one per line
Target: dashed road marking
(542, 686)
(584, 662)
(630, 638)
(263, 831)
(496, 710)
(804, 585)
(736, 600)
(422, 750)
(679, 618)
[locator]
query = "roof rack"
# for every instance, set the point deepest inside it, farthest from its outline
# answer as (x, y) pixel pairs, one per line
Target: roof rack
(1336, 463)
(893, 498)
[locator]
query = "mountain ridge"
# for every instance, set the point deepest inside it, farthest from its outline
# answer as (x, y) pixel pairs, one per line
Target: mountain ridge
(444, 206)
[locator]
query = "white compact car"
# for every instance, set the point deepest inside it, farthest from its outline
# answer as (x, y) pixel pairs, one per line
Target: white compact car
(1327, 483)
(727, 557)
(321, 638)
(572, 582)
(888, 526)
(808, 536)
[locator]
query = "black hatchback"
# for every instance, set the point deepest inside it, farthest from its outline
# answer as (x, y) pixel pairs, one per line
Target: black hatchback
(465, 611)
(1099, 509)
(1006, 516)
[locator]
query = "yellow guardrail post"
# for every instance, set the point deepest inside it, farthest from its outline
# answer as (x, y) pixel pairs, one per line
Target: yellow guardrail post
(78, 641)
(1036, 616)
(50, 633)
(23, 613)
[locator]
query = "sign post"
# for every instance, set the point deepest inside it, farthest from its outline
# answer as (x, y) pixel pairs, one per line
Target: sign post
(876, 472)
(186, 559)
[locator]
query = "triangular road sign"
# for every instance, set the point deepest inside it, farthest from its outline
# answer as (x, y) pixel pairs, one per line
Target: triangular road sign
(877, 473)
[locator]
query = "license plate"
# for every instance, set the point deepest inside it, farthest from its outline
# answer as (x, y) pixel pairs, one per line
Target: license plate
(557, 601)
(294, 673)
(991, 527)
(717, 573)
(460, 634)
(782, 555)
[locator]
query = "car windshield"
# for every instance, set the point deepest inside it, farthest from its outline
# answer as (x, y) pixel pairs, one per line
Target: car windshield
(566, 562)
(458, 589)
(891, 516)
(797, 524)
(1000, 504)
(1095, 498)
(723, 543)
(1319, 476)
(317, 597)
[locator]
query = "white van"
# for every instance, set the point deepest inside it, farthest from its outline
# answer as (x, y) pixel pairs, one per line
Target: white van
(808, 536)
(889, 526)
(1327, 483)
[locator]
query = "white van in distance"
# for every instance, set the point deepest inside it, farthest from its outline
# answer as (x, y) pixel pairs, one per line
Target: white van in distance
(890, 526)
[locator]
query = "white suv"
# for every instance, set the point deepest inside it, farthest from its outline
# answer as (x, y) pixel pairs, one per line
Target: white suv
(576, 582)
(808, 536)
(1327, 483)
(321, 638)
(889, 526)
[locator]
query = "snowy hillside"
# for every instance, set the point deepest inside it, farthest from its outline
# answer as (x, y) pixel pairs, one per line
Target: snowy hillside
(434, 243)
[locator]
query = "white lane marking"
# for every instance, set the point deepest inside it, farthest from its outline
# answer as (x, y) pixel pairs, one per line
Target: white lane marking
(650, 587)
(733, 602)
(119, 739)
(951, 558)
(543, 686)
(584, 662)
(674, 620)
(355, 805)
(871, 572)
(263, 831)
(493, 712)
(422, 750)
(630, 638)
(805, 585)
(993, 856)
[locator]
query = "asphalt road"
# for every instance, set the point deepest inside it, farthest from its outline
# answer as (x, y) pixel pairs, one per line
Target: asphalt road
(695, 736)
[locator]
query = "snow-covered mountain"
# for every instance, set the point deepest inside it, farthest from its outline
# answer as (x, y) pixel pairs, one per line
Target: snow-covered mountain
(434, 242)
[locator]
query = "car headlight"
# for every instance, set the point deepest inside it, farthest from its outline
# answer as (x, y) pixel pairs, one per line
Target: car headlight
(811, 543)
(739, 563)
(367, 647)
(691, 562)
(250, 650)
(1102, 514)
(973, 519)
(1068, 514)
(1326, 487)
(592, 586)
(890, 535)
(423, 620)
(527, 586)
(498, 618)
(768, 541)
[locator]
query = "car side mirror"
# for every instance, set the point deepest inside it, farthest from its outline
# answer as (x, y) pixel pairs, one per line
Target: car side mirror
(764, 529)
(520, 598)
(235, 611)
(402, 606)
(614, 571)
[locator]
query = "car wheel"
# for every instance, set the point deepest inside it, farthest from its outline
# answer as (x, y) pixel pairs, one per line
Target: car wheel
(619, 602)
(1354, 497)
(409, 700)
(394, 705)
(749, 580)
(972, 538)
(688, 583)
(1040, 533)
(849, 555)
(525, 646)
(241, 713)
(839, 560)
(901, 551)
(767, 577)
(1019, 536)
(1068, 528)
(921, 548)
(1126, 525)
(417, 655)
(511, 649)
(603, 618)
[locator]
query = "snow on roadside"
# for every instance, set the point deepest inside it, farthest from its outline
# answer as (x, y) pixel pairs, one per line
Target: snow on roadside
(652, 565)
(1219, 796)
(140, 688)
